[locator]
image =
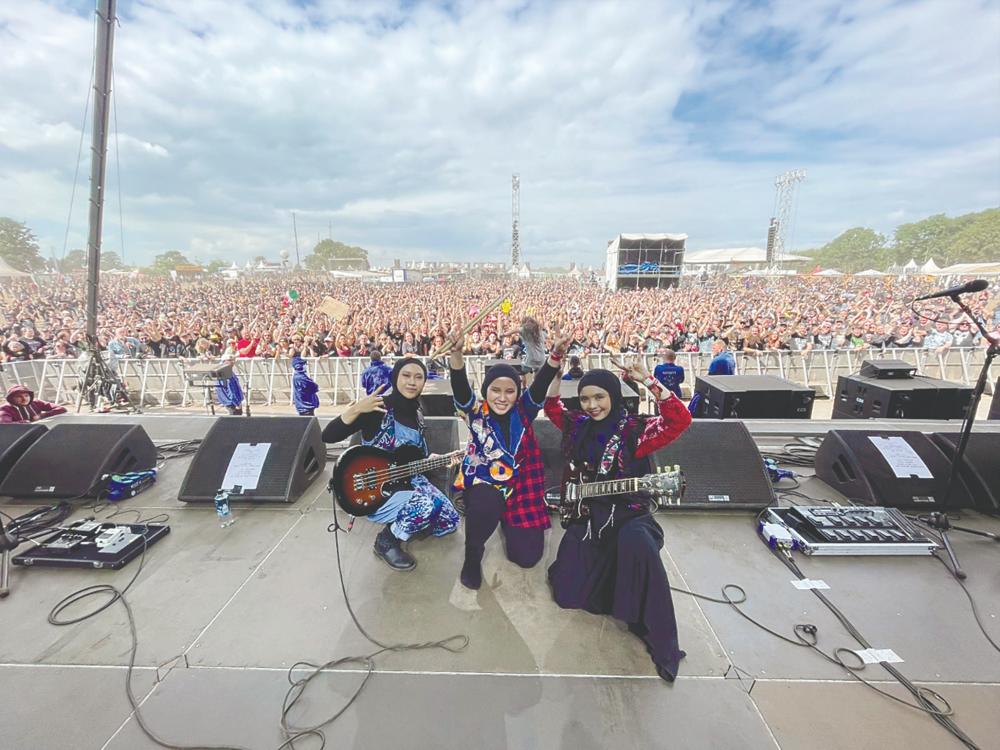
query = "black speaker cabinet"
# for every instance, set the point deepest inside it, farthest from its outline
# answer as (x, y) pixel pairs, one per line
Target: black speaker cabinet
(69, 460)
(995, 403)
(721, 465)
(437, 398)
(911, 398)
(857, 464)
(442, 436)
(892, 369)
(15, 439)
(549, 439)
(753, 397)
(980, 467)
(295, 456)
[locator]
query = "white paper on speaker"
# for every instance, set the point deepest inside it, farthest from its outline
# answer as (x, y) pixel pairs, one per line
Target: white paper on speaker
(902, 459)
(245, 466)
(806, 584)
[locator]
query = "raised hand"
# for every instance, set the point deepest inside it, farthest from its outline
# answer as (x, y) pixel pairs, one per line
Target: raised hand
(373, 402)
(561, 343)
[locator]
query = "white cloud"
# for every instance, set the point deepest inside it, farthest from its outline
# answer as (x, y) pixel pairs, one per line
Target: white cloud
(402, 125)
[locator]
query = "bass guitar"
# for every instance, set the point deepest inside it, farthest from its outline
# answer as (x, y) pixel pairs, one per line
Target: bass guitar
(366, 476)
(665, 487)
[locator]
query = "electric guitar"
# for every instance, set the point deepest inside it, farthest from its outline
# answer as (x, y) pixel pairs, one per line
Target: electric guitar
(366, 476)
(666, 487)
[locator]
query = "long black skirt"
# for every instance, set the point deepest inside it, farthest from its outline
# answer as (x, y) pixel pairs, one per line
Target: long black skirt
(620, 574)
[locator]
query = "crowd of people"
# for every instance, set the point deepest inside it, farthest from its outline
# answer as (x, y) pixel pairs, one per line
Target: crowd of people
(276, 316)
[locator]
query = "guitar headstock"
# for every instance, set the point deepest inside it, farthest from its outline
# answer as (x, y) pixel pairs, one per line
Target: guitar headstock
(668, 482)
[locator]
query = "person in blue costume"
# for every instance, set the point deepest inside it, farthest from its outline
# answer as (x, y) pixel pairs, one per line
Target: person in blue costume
(229, 392)
(387, 421)
(723, 363)
(305, 391)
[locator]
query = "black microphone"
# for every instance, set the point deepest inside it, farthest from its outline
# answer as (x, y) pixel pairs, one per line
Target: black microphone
(973, 286)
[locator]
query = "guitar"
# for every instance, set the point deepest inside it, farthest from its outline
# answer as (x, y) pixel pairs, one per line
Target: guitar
(366, 476)
(666, 486)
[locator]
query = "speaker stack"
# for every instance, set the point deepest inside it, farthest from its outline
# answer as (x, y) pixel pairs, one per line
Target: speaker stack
(980, 468)
(753, 397)
(70, 460)
(888, 389)
(295, 456)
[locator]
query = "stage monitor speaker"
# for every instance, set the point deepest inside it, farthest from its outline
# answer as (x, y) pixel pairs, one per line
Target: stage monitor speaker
(722, 467)
(920, 397)
(70, 460)
(15, 439)
(753, 397)
(995, 403)
(887, 369)
(437, 398)
(980, 467)
(549, 439)
(857, 464)
(442, 436)
(295, 457)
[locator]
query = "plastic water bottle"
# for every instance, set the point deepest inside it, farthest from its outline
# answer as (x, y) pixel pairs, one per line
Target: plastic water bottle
(226, 517)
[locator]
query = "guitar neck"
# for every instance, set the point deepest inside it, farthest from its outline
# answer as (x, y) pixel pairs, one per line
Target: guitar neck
(429, 464)
(610, 487)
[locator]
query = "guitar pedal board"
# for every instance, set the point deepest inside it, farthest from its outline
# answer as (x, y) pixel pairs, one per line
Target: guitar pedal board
(852, 530)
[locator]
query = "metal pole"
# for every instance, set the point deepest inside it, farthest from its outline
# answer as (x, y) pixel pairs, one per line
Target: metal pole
(98, 157)
(295, 231)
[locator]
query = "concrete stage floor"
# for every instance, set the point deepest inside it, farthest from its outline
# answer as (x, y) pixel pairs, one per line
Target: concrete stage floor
(221, 615)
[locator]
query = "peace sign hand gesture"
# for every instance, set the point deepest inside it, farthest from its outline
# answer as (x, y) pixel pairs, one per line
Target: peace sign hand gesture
(366, 405)
(561, 344)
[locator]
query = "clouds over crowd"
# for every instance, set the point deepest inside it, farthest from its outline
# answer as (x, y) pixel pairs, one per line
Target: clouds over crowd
(401, 123)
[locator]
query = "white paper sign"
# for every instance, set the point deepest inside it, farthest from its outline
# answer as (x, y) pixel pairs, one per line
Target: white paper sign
(902, 459)
(875, 655)
(245, 466)
(805, 583)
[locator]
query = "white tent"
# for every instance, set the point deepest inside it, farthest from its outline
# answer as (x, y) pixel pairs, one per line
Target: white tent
(971, 269)
(829, 272)
(930, 267)
(7, 271)
(911, 266)
(871, 272)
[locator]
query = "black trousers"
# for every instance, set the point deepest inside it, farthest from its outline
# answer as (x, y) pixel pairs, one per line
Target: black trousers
(484, 507)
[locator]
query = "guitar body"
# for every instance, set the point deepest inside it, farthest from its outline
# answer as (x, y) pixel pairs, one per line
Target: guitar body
(572, 508)
(361, 479)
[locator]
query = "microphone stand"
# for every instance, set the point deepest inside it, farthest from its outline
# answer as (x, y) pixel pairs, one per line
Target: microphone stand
(8, 543)
(939, 520)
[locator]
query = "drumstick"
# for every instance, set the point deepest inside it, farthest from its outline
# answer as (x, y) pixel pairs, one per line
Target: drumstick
(446, 347)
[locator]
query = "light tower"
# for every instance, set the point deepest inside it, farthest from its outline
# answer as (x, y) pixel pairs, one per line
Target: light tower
(515, 235)
(784, 199)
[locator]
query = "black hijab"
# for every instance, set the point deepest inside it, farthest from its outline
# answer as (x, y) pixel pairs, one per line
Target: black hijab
(404, 409)
(594, 435)
(502, 371)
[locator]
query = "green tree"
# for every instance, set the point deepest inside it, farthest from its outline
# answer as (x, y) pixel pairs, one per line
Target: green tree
(168, 260)
(854, 250)
(19, 246)
(110, 261)
(330, 255)
(978, 240)
(921, 240)
(75, 260)
(215, 265)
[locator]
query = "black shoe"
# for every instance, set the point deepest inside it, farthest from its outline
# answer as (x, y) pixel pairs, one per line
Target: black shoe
(389, 548)
(472, 571)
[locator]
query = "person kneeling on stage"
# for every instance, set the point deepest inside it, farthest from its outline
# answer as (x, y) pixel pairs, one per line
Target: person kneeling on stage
(229, 392)
(387, 422)
(22, 406)
(610, 562)
(502, 478)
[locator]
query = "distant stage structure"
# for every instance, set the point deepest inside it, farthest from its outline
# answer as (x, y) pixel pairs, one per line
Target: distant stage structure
(644, 261)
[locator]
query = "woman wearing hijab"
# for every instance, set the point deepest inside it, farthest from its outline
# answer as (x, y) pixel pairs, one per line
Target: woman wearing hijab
(502, 478)
(387, 422)
(610, 562)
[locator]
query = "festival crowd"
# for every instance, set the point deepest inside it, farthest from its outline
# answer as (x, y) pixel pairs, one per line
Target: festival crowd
(276, 316)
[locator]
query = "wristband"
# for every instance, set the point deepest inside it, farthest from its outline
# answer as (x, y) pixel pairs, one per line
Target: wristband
(555, 357)
(651, 383)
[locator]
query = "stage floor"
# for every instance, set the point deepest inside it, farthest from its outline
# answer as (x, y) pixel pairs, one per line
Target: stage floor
(221, 615)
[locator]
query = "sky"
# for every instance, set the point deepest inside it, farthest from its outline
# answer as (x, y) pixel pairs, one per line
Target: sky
(397, 125)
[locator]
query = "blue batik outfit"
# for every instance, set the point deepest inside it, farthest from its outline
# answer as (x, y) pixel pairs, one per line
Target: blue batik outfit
(229, 392)
(423, 507)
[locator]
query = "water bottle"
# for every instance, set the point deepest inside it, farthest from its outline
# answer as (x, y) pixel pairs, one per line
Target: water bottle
(226, 517)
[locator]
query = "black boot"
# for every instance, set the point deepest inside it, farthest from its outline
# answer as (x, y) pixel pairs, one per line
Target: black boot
(389, 548)
(472, 571)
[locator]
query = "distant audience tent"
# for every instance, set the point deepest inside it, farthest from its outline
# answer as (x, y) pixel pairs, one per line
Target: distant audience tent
(829, 272)
(7, 271)
(871, 272)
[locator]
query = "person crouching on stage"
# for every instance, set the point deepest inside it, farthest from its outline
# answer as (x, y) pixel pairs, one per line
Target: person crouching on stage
(501, 476)
(229, 392)
(22, 407)
(387, 422)
(610, 563)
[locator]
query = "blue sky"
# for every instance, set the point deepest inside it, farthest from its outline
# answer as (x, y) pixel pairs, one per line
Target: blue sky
(401, 123)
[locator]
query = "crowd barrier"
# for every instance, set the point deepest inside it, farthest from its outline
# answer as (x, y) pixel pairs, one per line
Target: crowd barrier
(161, 382)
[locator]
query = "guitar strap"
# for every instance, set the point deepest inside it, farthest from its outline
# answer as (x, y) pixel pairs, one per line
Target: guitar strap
(613, 449)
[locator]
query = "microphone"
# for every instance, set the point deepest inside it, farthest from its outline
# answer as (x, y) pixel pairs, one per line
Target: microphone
(977, 285)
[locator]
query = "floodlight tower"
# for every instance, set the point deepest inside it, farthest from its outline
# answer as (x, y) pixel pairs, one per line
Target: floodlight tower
(515, 209)
(784, 200)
